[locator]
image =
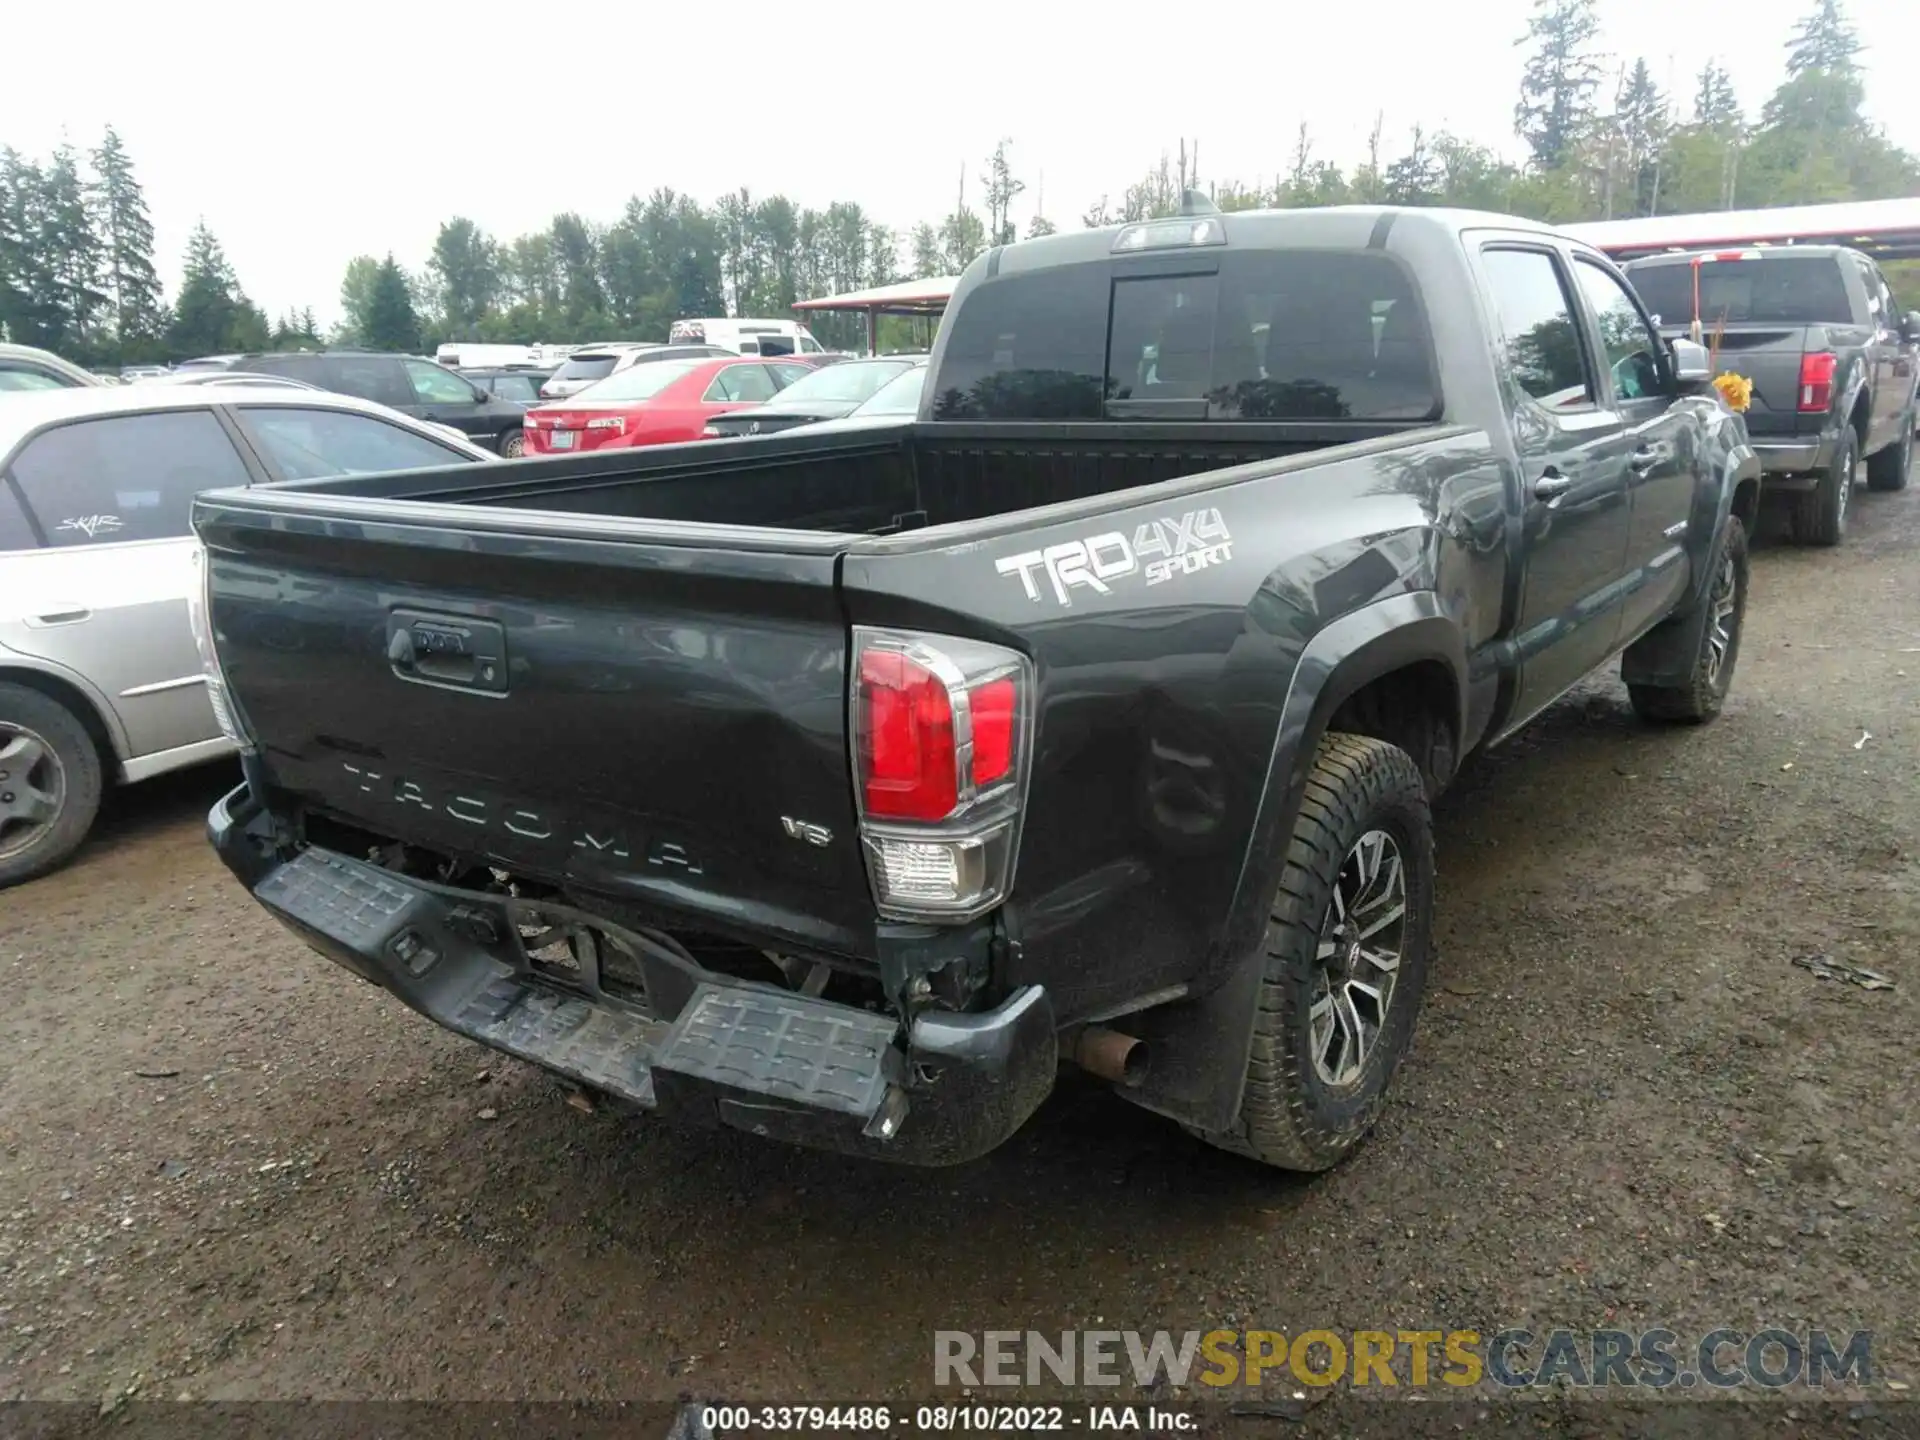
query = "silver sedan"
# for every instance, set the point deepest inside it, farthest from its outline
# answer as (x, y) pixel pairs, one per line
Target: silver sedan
(99, 678)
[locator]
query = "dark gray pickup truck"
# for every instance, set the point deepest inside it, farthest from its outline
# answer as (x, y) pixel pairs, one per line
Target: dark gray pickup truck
(839, 788)
(1832, 362)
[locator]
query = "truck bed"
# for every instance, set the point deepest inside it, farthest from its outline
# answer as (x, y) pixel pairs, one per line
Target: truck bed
(918, 475)
(668, 633)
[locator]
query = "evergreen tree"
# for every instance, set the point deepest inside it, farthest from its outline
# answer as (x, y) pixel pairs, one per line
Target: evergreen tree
(1556, 88)
(1640, 125)
(206, 311)
(1823, 41)
(248, 331)
(1002, 189)
(927, 259)
(21, 283)
(576, 259)
(126, 236)
(356, 300)
(1414, 179)
(1715, 105)
(71, 253)
(465, 267)
(390, 322)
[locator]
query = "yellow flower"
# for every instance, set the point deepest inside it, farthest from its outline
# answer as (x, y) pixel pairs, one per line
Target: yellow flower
(1736, 390)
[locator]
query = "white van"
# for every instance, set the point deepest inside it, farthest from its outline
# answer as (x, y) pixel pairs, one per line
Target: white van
(747, 337)
(474, 355)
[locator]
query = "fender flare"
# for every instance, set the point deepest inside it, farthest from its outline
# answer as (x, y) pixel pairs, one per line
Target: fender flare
(1665, 655)
(1200, 1045)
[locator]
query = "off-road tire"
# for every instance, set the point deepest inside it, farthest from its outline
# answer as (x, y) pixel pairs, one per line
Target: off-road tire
(1700, 697)
(1888, 470)
(1820, 514)
(1288, 1117)
(79, 762)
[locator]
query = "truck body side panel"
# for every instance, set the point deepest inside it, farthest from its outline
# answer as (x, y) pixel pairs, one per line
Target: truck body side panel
(1166, 634)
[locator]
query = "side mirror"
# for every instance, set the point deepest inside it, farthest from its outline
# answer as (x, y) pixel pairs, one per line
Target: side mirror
(1910, 325)
(1692, 366)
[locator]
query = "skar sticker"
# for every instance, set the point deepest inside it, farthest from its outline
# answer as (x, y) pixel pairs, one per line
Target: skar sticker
(1159, 550)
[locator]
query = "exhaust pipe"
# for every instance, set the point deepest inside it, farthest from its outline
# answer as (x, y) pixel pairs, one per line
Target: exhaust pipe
(1112, 1056)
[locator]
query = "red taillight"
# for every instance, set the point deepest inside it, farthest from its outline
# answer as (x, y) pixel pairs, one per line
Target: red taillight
(994, 706)
(1816, 382)
(940, 736)
(909, 760)
(908, 771)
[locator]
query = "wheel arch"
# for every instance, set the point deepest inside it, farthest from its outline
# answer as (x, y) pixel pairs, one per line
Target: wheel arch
(87, 704)
(1404, 648)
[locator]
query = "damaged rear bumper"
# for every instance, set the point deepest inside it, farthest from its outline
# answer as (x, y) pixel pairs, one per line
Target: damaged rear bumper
(711, 1047)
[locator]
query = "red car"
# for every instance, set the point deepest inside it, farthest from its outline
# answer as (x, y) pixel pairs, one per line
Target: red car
(657, 404)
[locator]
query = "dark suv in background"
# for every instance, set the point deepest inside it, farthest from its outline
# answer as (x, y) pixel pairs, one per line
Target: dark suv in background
(518, 383)
(1831, 358)
(406, 383)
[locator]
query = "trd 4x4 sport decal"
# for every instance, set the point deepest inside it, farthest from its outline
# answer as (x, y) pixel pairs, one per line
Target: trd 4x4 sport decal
(1159, 550)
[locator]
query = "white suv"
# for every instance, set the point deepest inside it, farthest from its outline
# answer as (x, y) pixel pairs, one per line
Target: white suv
(591, 364)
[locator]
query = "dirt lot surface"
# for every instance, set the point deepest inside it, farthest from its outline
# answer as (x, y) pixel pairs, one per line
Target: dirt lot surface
(229, 1170)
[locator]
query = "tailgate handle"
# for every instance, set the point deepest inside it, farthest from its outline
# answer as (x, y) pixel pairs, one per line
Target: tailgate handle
(452, 651)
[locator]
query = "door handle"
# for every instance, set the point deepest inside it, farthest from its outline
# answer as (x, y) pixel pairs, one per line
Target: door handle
(1551, 486)
(1646, 457)
(58, 614)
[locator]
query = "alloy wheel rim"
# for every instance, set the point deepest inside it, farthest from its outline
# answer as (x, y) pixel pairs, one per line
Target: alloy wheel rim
(1357, 963)
(33, 788)
(1725, 600)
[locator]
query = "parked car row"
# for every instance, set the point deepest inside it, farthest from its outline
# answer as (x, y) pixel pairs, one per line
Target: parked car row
(90, 468)
(414, 387)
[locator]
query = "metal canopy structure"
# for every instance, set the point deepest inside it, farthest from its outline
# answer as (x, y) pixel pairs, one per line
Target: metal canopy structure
(1885, 229)
(907, 297)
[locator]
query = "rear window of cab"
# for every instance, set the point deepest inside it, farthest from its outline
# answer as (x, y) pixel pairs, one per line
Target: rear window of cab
(1258, 335)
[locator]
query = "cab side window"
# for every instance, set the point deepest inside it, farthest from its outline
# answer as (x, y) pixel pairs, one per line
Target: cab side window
(741, 384)
(15, 532)
(124, 477)
(434, 386)
(1538, 340)
(1632, 350)
(306, 444)
(30, 377)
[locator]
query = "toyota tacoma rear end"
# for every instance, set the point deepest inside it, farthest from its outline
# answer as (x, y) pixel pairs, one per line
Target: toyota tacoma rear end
(839, 787)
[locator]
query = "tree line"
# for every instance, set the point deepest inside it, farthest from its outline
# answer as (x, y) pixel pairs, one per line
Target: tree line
(1602, 138)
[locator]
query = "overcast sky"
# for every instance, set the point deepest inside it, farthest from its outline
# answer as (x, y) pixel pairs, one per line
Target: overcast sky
(306, 135)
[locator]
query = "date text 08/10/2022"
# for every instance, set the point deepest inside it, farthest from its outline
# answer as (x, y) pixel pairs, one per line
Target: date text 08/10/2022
(728, 1420)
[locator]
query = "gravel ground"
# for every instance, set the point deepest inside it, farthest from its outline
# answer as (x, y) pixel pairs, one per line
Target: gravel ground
(228, 1170)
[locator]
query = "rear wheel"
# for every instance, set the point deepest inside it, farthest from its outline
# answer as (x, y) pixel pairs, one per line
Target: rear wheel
(49, 783)
(1700, 697)
(1888, 470)
(1820, 515)
(1346, 962)
(513, 444)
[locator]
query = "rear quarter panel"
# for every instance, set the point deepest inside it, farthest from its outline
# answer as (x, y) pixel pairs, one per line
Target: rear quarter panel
(1165, 668)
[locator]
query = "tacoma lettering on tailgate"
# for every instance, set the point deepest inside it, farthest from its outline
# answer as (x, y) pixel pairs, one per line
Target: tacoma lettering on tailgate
(509, 821)
(1159, 550)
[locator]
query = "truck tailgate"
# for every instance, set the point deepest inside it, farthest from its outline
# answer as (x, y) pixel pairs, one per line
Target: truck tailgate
(573, 701)
(1769, 356)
